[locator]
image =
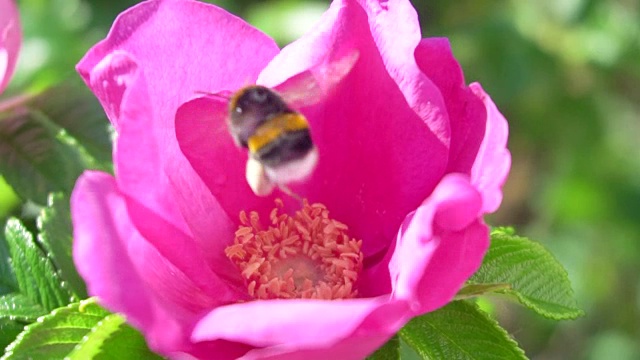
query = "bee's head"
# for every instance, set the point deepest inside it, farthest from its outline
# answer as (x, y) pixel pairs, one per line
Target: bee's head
(250, 108)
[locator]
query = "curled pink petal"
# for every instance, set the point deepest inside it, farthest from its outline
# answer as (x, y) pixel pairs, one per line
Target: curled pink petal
(276, 322)
(274, 326)
(492, 164)
(396, 31)
(439, 246)
(10, 39)
(466, 112)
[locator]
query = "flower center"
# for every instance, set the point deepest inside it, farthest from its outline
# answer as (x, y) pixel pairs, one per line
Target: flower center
(304, 256)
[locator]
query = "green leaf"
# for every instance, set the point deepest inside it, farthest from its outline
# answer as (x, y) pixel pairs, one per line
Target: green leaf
(474, 290)
(459, 331)
(536, 278)
(19, 307)
(8, 281)
(74, 108)
(407, 352)
(112, 338)
(389, 351)
(36, 276)
(55, 335)
(56, 237)
(9, 200)
(32, 159)
(9, 329)
(81, 330)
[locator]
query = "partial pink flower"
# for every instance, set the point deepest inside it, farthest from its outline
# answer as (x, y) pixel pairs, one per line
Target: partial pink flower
(10, 39)
(410, 159)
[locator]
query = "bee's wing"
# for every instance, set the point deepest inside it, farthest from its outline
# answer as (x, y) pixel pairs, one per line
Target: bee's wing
(311, 86)
(300, 90)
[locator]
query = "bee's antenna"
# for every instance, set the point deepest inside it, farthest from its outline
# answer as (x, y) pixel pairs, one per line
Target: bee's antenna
(223, 95)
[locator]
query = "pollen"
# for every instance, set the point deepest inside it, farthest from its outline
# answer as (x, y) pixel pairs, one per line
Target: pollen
(304, 256)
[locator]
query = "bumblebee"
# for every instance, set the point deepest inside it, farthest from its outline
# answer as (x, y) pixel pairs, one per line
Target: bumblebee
(278, 138)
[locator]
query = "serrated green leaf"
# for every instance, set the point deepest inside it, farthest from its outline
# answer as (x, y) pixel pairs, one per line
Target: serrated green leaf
(74, 108)
(36, 277)
(389, 351)
(8, 283)
(55, 335)
(9, 329)
(407, 352)
(537, 280)
(19, 307)
(459, 331)
(56, 238)
(505, 230)
(79, 331)
(113, 339)
(87, 159)
(32, 160)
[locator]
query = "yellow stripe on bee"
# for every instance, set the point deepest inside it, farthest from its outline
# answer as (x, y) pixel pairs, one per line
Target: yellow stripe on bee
(274, 127)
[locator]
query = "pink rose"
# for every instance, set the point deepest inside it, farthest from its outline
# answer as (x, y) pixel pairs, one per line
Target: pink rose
(10, 39)
(410, 159)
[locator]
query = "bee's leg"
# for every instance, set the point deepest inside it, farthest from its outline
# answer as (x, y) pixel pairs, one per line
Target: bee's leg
(257, 178)
(285, 189)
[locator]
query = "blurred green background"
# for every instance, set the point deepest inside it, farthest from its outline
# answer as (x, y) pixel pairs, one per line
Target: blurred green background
(566, 73)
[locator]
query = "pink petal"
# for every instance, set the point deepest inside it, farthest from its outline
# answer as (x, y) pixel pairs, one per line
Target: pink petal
(169, 40)
(139, 170)
(439, 246)
(315, 328)
(139, 167)
(109, 79)
(492, 164)
(378, 156)
(178, 291)
(153, 60)
(102, 237)
(397, 32)
(212, 229)
(352, 348)
(180, 251)
(393, 28)
(467, 115)
(10, 39)
(123, 80)
(129, 276)
(205, 141)
(211, 350)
